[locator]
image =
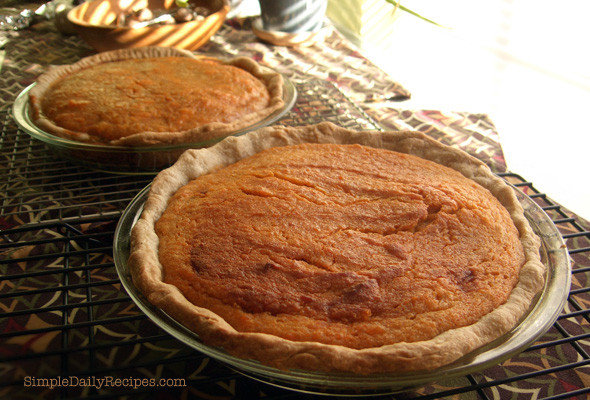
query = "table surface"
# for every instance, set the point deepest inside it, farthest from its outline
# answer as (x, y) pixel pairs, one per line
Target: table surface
(64, 312)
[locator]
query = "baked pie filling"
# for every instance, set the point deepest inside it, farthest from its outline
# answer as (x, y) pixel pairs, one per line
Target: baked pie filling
(340, 244)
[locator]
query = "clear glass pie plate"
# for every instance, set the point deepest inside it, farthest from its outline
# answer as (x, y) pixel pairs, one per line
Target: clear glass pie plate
(540, 317)
(130, 160)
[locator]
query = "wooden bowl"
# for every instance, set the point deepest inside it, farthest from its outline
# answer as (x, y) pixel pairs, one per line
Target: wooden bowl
(95, 22)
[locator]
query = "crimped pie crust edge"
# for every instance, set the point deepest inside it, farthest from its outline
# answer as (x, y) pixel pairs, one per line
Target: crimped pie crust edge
(273, 81)
(427, 355)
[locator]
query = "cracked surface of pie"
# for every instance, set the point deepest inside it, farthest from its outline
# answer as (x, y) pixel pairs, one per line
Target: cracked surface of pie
(340, 244)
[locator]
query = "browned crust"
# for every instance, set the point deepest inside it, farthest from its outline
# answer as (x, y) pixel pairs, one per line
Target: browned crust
(284, 354)
(273, 81)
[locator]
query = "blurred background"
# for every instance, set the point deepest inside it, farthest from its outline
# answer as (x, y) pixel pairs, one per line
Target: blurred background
(524, 63)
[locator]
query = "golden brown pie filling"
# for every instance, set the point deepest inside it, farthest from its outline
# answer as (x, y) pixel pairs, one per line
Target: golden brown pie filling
(340, 244)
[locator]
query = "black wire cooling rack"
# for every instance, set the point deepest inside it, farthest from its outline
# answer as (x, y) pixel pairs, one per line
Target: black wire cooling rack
(65, 315)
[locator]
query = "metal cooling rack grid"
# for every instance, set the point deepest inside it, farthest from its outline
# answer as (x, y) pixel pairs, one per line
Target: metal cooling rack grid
(65, 313)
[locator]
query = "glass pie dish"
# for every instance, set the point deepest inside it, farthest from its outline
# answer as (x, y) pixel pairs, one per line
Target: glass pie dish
(130, 160)
(539, 318)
